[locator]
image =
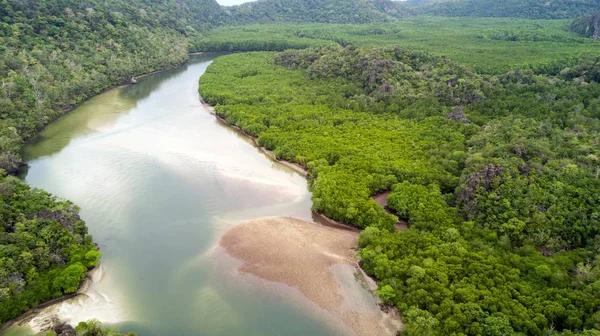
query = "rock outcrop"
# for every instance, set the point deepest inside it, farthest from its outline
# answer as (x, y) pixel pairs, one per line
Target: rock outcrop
(588, 26)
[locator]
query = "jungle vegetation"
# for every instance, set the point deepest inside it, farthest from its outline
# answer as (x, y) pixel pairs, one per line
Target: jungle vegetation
(532, 9)
(53, 55)
(498, 176)
(369, 132)
(45, 251)
(365, 11)
(317, 11)
(488, 45)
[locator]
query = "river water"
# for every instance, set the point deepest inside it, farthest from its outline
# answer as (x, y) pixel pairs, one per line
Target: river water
(159, 180)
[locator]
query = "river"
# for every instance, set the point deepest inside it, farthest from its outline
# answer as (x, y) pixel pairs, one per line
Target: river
(159, 180)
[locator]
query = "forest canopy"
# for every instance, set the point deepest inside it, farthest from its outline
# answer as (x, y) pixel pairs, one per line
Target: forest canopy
(318, 11)
(45, 251)
(531, 9)
(496, 174)
(53, 55)
(488, 45)
(484, 130)
(368, 11)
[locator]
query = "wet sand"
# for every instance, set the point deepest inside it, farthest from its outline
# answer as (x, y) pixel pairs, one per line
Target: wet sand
(316, 260)
(381, 199)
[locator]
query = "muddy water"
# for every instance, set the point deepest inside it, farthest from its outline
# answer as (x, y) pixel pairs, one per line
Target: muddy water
(159, 180)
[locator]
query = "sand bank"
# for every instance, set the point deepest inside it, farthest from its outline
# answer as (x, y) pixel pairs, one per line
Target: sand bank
(316, 260)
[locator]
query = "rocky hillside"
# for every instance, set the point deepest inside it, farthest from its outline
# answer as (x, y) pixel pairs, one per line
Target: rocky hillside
(588, 26)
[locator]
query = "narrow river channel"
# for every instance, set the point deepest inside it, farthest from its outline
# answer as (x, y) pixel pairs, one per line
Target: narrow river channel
(159, 180)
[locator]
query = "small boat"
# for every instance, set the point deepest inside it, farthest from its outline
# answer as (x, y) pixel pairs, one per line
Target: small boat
(133, 81)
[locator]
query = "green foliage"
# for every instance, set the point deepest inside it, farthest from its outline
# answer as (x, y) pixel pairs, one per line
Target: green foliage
(94, 328)
(45, 250)
(424, 206)
(318, 11)
(533, 9)
(55, 54)
(497, 176)
(318, 123)
(68, 280)
(491, 45)
(369, 11)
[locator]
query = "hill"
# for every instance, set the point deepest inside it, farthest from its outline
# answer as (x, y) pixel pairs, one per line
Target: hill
(54, 54)
(588, 26)
(532, 9)
(369, 11)
(321, 11)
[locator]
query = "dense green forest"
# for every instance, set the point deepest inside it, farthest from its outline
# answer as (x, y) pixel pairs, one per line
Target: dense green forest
(45, 250)
(488, 45)
(495, 166)
(56, 54)
(365, 11)
(324, 11)
(532, 9)
(496, 174)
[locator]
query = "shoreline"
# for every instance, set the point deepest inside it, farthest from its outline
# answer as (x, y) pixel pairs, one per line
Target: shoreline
(296, 167)
(28, 315)
(122, 84)
(380, 198)
(22, 165)
(71, 108)
(326, 281)
(323, 220)
(21, 319)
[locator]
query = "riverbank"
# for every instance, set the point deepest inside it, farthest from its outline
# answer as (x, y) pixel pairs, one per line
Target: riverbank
(380, 199)
(29, 315)
(316, 260)
(298, 168)
(95, 299)
(291, 253)
(26, 316)
(125, 82)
